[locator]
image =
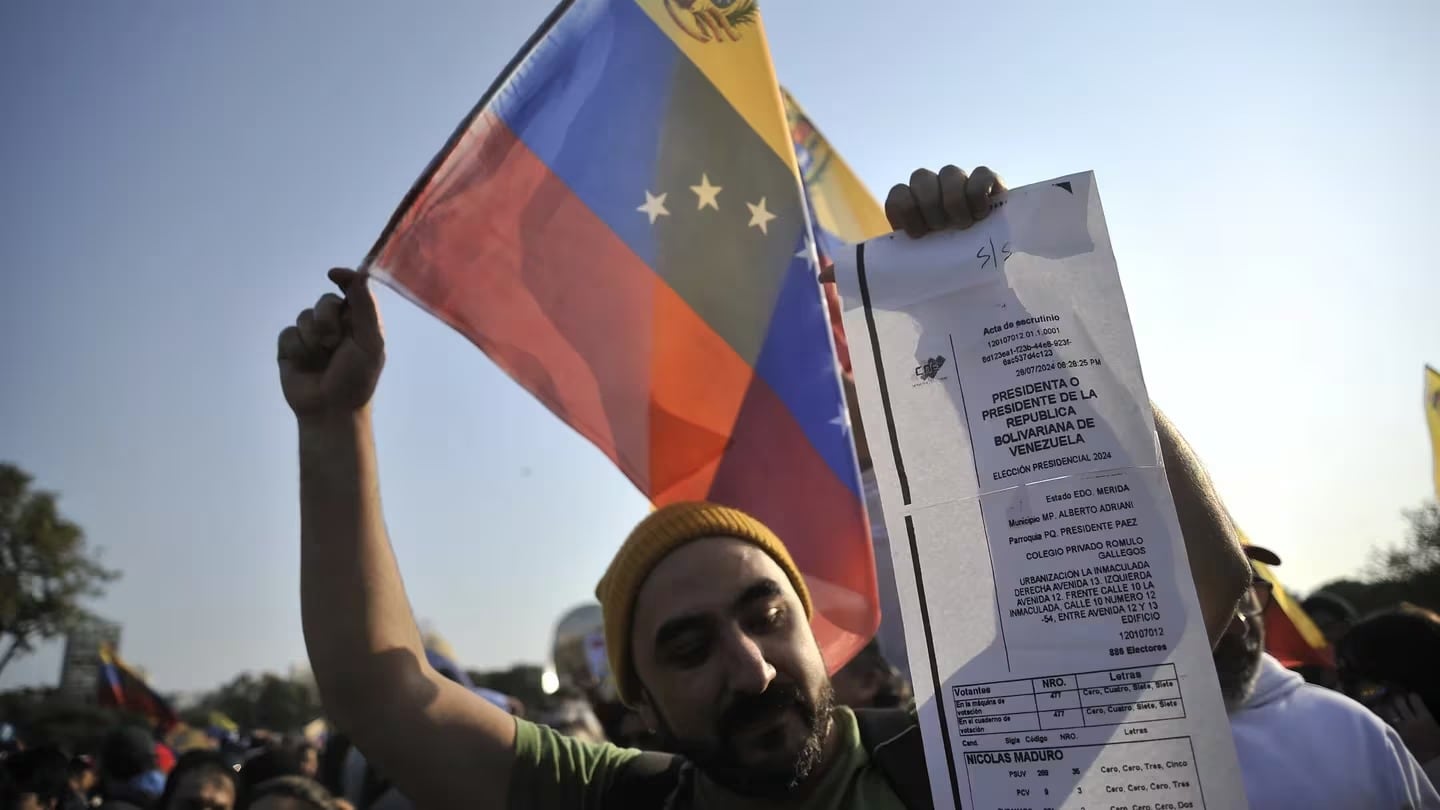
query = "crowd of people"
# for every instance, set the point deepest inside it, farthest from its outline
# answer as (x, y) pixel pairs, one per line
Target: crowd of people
(716, 693)
(217, 769)
(1300, 745)
(131, 770)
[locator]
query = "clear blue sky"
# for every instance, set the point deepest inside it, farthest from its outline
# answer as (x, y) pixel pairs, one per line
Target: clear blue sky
(177, 177)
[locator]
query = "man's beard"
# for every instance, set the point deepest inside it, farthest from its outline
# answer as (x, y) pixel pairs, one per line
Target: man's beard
(722, 762)
(1237, 662)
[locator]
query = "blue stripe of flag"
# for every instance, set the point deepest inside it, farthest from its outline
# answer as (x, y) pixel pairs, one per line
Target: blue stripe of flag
(798, 361)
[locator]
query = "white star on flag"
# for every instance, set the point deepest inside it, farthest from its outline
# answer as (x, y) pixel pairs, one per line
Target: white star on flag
(842, 420)
(808, 252)
(654, 207)
(707, 193)
(759, 217)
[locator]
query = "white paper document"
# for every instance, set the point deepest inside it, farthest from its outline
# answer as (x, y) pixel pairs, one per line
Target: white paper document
(1057, 649)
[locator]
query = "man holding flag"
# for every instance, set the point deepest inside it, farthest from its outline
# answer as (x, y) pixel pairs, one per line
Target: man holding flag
(704, 613)
(620, 225)
(766, 728)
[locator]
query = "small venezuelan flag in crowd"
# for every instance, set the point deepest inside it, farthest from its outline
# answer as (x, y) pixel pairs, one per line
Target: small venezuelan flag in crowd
(121, 687)
(620, 225)
(1432, 418)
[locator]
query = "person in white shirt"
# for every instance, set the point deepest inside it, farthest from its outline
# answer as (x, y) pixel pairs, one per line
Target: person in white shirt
(1301, 745)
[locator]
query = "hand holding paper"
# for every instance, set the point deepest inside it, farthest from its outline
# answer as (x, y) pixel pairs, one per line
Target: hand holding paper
(1053, 633)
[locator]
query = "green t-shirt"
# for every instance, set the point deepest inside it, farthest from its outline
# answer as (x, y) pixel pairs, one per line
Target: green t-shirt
(555, 771)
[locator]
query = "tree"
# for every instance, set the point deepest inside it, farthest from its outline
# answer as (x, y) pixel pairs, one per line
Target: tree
(1408, 572)
(42, 717)
(266, 701)
(46, 566)
(1418, 558)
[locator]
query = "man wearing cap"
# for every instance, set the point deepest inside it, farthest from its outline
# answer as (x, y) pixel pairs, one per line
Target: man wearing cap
(1301, 745)
(706, 616)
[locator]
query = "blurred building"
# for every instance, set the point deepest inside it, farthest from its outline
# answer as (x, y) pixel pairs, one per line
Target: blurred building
(80, 668)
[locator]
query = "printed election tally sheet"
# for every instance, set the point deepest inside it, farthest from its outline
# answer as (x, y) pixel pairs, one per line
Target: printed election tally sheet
(1056, 644)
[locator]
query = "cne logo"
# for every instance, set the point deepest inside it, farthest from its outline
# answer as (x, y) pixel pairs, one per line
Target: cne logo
(931, 369)
(709, 20)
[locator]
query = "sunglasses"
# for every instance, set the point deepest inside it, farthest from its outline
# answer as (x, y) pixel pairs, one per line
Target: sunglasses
(1257, 600)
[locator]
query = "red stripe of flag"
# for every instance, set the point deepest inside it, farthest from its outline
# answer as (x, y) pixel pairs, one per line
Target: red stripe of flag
(809, 502)
(560, 302)
(495, 280)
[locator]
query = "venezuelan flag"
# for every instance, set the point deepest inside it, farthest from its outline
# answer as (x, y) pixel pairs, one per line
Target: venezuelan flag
(620, 225)
(844, 212)
(121, 687)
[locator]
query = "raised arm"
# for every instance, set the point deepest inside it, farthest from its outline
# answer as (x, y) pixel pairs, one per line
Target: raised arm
(435, 739)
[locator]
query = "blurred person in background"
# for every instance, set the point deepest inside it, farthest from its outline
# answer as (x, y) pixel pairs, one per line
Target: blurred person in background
(870, 681)
(1391, 663)
(573, 717)
(364, 787)
(306, 756)
(1300, 745)
(271, 763)
(332, 761)
(83, 778)
(164, 759)
(290, 793)
(582, 669)
(38, 779)
(129, 777)
(1332, 615)
(201, 780)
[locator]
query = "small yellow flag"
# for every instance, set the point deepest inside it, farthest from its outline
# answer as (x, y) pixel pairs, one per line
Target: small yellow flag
(1432, 416)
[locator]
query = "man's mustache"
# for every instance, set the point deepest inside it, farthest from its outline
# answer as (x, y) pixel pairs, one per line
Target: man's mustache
(747, 709)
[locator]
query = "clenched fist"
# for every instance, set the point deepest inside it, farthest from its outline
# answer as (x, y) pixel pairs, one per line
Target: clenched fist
(330, 360)
(935, 202)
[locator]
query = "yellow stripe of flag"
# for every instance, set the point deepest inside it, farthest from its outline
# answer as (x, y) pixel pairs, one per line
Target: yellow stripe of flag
(734, 56)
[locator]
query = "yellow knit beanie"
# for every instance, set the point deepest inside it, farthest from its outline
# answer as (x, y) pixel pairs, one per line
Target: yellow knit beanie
(665, 530)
